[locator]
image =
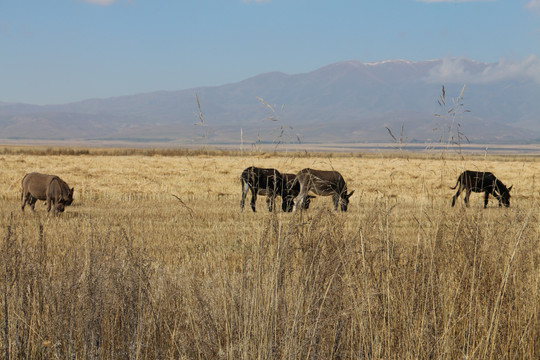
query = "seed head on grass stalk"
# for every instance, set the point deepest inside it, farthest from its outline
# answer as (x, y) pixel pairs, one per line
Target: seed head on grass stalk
(282, 132)
(451, 126)
(399, 142)
(201, 122)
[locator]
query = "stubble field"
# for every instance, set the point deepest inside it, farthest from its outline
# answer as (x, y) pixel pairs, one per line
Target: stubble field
(131, 271)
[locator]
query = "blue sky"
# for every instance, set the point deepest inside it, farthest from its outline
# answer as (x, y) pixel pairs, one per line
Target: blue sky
(59, 51)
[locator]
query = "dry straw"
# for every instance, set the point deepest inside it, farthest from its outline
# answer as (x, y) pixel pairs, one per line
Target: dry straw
(154, 260)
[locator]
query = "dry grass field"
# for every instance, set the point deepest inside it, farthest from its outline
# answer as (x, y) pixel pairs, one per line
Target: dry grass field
(130, 271)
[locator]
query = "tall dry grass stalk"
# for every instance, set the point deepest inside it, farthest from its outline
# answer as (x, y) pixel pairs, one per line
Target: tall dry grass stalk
(129, 271)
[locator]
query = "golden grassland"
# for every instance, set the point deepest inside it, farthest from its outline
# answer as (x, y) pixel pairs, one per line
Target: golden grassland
(131, 271)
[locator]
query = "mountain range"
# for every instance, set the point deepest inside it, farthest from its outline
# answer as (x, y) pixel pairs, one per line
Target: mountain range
(345, 102)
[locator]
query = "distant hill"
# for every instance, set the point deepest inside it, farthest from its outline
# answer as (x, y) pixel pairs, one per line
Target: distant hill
(342, 102)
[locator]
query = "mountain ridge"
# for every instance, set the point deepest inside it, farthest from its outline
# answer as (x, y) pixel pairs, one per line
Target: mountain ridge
(348, 101)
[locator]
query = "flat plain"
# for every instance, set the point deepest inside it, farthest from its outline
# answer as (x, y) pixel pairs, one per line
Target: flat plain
(155, 260)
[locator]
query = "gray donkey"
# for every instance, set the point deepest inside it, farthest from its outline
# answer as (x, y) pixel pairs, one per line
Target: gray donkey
(323, 183)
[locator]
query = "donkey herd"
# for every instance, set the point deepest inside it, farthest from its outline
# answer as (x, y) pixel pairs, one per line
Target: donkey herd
(294, 189)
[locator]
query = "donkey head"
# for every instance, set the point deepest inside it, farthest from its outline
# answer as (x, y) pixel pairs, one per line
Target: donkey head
(345, 200)
(68, 198)
(505, 197)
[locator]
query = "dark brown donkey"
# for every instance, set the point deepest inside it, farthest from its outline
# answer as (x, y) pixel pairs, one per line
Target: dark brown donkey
(290, 191)
(323, 183)
(50, 188)
(485, 182)
(261, 181)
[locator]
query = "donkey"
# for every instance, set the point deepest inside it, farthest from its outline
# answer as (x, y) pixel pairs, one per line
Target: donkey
(263, 182)
(50, 188)
(291, 189)
(485, 182)
(323, 183)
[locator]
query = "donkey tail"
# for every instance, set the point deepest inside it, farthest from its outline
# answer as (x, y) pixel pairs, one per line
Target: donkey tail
(22, 181)
(457, 182)
(245, 184)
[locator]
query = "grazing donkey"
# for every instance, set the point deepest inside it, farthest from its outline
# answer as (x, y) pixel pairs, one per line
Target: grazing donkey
(485, 182)
(50, 188)
(323, 183)
(291, 190)
(263, 182)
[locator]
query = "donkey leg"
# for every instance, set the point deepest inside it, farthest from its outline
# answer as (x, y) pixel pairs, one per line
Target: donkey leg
(486, 197)
(467, 195)
(253, 199)
(270, 203)
(454, 198)
(24, 199)
(32, 202)
(496, 195)
(301, 197)
(499, 197)
(297, 200)
(335, 199)
(286, 203)
(245, 189)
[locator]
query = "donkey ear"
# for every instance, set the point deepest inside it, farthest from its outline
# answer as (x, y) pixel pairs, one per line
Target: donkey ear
(350, 194)
(72, 189)
(510, 188)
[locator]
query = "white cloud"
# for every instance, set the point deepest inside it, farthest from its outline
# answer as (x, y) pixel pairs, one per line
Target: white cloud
(460, 70)
(533, 5)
